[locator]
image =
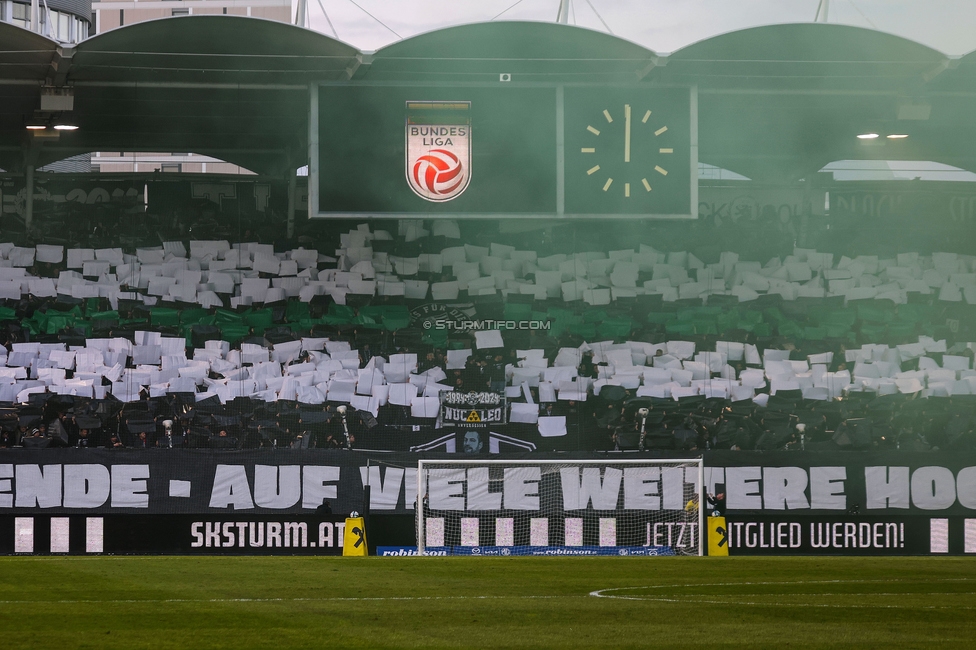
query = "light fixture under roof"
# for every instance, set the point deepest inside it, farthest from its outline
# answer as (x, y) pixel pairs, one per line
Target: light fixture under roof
(65, 127)
(36, 127)
(867, 136)
(897, 136)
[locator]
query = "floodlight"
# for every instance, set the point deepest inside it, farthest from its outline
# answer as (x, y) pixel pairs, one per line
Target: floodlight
(867, 136)
(65, 127)
(897, 136)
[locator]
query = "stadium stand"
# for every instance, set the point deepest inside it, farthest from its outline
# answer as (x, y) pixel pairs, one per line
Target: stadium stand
(249, 344)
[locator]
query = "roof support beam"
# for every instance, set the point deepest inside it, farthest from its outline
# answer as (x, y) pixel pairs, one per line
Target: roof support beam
(360, 66)
(61, 65)
(949, 63)
(655, 62)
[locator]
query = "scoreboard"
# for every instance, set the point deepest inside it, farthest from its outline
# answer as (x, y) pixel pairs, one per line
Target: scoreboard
(503, 151)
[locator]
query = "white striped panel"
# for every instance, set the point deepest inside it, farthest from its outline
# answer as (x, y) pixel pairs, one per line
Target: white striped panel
(539, 531)
(94, 535)
(59, 534)
(469, 531)
(970, 536)
(608, 531)
(434, 535)
(23, 535)
(574, 532)
(938, 536)
(504, 531)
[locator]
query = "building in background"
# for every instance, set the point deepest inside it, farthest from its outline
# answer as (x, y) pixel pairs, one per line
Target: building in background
(65, 21)
(116, 13)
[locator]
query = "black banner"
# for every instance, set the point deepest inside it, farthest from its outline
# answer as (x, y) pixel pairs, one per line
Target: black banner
(228, 195)
(473, 408)
(848, 535)
(173, 534)
(66, 193)
(843, 482)
(96, 481)
(943, 203)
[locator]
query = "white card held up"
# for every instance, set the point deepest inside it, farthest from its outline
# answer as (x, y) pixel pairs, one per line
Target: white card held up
(527, 413)
(552, 426)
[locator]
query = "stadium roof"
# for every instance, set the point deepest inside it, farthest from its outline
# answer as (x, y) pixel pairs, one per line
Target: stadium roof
(808, 56)
(232, 87)
(775, 102)
(530, 52)
(779, 102)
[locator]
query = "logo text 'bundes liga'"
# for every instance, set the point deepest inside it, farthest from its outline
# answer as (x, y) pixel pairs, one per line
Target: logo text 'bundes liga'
(438, 147)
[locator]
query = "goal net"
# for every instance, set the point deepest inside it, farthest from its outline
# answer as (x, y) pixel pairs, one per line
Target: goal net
(529, 507)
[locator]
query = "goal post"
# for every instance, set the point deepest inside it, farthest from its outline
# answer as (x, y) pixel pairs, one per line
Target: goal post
(635, 506)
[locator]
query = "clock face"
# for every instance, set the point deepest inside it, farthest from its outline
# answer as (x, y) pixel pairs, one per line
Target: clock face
(628, 153)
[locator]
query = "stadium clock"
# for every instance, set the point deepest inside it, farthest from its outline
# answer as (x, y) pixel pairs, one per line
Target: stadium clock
(629, 149)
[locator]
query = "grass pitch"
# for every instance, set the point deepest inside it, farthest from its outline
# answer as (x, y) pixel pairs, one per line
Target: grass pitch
(517, 602)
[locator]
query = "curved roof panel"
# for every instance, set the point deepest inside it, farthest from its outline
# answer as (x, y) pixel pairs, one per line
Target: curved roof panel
(24, 54)
(230, 86)
(814, 55)
(212, 48)
(26, 60)
(529, 51)
(959, 74)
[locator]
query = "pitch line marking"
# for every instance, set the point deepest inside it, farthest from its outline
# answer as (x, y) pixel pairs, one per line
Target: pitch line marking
(701, 601)
(696, 598)
(841, 593)
(599, 593)
(274, 600)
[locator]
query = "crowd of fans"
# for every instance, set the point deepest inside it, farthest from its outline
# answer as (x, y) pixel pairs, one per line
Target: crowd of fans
(641, 349)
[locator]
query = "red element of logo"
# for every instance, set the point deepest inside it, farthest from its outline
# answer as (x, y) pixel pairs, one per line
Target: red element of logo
(439, 172)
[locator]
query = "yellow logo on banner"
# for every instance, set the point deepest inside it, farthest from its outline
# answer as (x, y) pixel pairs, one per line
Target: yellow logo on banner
(354, 537)
(474, 417)
(718, 537)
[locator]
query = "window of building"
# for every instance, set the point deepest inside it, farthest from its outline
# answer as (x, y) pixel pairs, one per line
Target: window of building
(63, 32)
(21, 15)
(121, 16)
(171, 167)
(181, 12)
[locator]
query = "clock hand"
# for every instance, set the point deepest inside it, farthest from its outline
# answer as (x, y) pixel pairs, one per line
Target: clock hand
(626, 132)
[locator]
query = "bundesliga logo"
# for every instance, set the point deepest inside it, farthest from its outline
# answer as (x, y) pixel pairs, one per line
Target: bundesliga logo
(438, 134)
(438, 174)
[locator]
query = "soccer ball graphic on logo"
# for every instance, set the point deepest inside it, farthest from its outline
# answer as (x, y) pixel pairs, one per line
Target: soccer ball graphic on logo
(439, 175)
